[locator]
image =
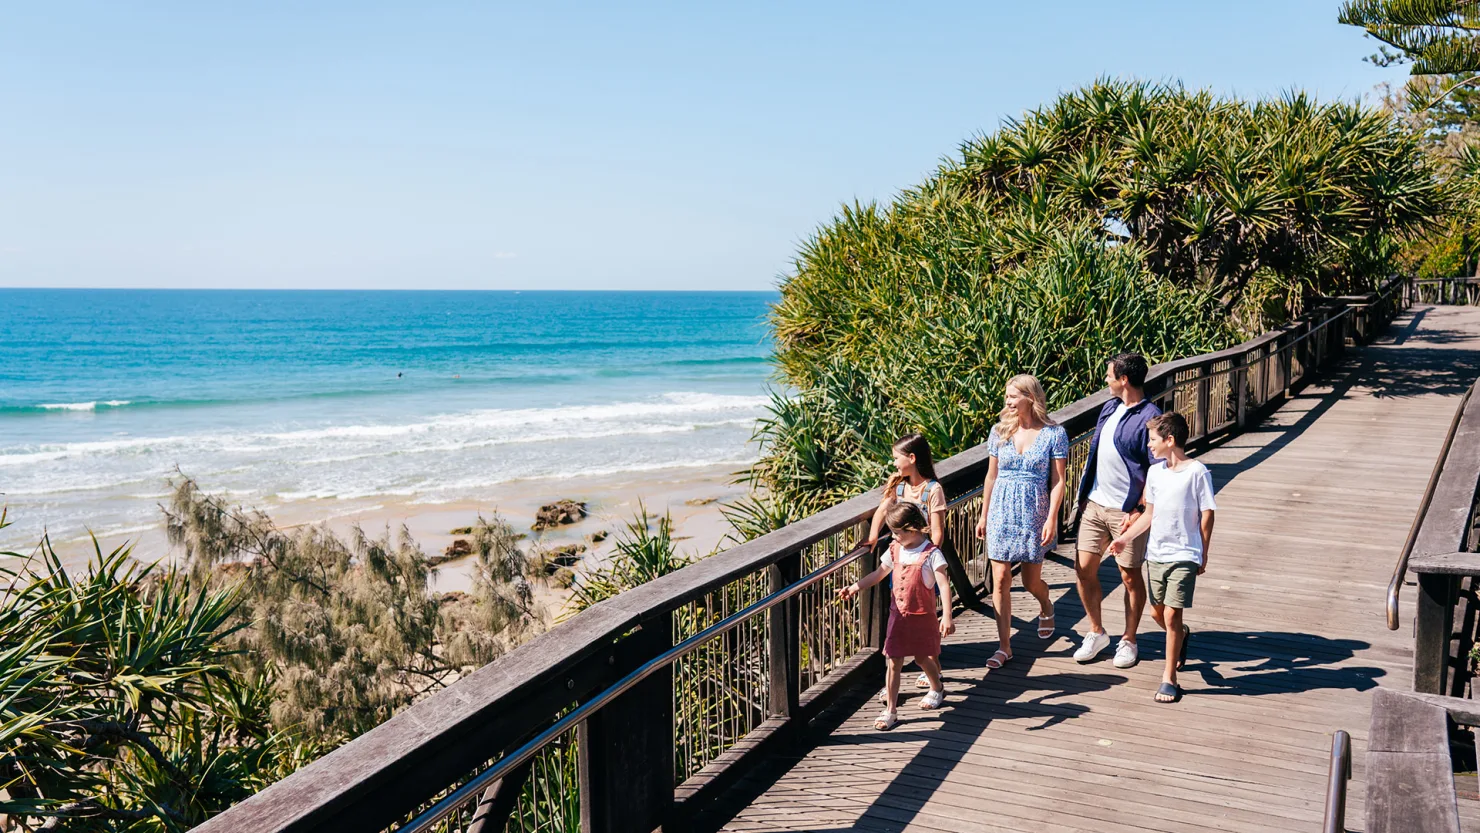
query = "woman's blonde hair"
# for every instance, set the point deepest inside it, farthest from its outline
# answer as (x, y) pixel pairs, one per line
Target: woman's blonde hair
(1028, 386)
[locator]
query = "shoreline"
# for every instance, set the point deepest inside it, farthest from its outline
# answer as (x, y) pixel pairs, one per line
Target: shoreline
(691, 494)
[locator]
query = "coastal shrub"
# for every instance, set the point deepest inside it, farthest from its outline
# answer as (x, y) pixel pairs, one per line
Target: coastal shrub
(935, 361)
(139, 698)
(118, 709)
(643, 551)
(1444, 114)
(1123, 216)
(347, 629)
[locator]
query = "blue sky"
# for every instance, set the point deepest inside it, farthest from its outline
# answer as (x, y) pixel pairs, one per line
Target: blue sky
(544, 145)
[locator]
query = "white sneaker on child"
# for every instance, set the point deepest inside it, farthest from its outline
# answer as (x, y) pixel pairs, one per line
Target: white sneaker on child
(1126, 654)
(1093, 644)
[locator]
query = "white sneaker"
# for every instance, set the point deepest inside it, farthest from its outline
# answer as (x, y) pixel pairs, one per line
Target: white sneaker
(1126, 654)
(1093, 644)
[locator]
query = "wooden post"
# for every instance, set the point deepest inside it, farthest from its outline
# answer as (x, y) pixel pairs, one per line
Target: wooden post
(785, 642)
(1241, 393)
(1204, 383)
(626, 748)
(1431, 631)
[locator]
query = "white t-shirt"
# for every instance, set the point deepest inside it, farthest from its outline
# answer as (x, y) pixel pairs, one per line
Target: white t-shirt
(1178, 499)
(913, 556)
(1112, 485)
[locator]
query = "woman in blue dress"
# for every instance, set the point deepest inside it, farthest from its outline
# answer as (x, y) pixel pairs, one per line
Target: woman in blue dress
(1020, 503)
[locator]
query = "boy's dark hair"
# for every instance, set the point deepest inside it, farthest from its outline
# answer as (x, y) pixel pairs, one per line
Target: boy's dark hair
(920, 447)
(1131, 367)
(1172, 425)
(905, 515)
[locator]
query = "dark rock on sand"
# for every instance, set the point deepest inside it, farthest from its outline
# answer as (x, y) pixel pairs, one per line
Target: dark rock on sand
(700, 501)
(457, 549)
(462, 530)
(568, 555)
(598, 536)
(559, 513)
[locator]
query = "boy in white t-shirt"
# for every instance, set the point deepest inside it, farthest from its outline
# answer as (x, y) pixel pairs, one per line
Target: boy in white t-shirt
(1179, 513)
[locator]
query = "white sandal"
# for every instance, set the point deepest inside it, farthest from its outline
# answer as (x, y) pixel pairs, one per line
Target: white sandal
(1042, 627)
(1006, 658)
(886, 720)
(933, 699)
(922, 681)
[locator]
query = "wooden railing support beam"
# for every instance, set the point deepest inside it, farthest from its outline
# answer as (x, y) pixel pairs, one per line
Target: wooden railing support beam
(498, 801)
(1432, 630)
(626, 749)
(785, 639)
(960, 582)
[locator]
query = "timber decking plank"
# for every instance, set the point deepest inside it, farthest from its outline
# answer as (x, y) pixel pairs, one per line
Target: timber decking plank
(1313, 508)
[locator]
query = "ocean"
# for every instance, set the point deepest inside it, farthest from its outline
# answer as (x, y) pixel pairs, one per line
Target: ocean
(272, 397)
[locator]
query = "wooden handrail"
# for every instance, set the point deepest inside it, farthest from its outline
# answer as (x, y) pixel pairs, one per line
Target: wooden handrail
(1395, 584)
(390, 772)
(1441, 530)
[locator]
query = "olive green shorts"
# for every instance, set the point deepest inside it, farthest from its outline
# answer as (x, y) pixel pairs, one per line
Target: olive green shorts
(1172, 584)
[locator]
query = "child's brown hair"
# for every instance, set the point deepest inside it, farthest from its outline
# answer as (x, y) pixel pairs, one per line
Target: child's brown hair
(917, 445)
(905, 515)
(1172, 425)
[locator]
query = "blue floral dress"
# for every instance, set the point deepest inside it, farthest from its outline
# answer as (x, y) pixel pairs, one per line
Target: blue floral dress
(1020, 497)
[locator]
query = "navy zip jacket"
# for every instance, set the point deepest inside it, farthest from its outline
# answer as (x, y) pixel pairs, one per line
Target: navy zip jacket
(1130, 440)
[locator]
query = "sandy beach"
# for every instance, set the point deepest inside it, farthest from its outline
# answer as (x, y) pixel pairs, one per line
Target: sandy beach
(692, 495)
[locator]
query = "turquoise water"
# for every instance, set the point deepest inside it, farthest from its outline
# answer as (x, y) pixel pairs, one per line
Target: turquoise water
(276, 396)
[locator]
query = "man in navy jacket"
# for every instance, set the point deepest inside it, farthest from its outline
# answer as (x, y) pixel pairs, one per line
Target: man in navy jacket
(1110, 501)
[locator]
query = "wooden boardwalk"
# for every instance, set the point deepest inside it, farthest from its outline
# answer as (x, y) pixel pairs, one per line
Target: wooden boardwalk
(1289, 642)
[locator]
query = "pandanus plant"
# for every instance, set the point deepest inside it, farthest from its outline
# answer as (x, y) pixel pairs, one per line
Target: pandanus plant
(117, 711)
(1123, 216)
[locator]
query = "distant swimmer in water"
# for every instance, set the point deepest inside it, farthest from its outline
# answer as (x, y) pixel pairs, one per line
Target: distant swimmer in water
(398, 374)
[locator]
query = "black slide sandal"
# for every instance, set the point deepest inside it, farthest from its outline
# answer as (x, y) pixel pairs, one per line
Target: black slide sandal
(1168, 690)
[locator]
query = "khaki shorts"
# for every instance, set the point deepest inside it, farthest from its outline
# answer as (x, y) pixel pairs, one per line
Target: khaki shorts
(1172, 584)
(1099, 526)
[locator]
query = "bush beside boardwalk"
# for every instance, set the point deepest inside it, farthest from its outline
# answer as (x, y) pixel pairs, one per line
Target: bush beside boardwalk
(1123, 216)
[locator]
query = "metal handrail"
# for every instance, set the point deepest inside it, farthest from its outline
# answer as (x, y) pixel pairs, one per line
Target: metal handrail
(455, 800)
(1341, 772)
(1401, 570)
